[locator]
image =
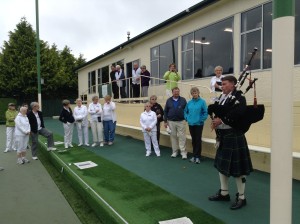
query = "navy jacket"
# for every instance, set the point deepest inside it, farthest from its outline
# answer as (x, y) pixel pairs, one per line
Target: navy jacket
(174, 111)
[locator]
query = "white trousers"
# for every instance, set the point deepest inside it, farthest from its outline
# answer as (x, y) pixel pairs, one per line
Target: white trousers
(21, 142)
(178, 137)
(10, 138)
(68, 130)
(148, 140)
(97, 131)
(82, 129)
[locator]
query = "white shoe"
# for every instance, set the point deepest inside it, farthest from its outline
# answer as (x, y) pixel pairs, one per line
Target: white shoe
(20, 161)
(35, 158)
(6, 150)
(184, 157)
(25, 160)
(110, 143)
(87, 144)
(101, 144)
(66, 146)
(197, 161)
(174, 154)
(51, 149)
(192, 160)
(94, 144)
(71, 145)
(158, 154)
(14, 149)
(80, 144)
(148, 154)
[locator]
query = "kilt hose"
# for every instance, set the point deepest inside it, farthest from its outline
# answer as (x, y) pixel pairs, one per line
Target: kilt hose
(233, 157)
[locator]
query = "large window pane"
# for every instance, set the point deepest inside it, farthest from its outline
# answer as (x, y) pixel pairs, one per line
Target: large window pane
(214, 46)
(267, 36)
(154, 71)
(154, 53)
(105, 74)
(297, 32)
(188, 42)
(249, 41)
(187, 65)
(251, 19)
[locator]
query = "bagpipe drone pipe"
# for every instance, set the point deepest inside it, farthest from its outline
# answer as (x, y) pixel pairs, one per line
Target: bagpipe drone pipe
(252, 113)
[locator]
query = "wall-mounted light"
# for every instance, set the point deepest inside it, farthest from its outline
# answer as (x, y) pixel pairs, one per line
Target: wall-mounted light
(128, 35)
(268, 50)
(200, 42)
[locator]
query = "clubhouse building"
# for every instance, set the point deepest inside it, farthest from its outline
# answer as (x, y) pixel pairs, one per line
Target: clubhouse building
(210, 33)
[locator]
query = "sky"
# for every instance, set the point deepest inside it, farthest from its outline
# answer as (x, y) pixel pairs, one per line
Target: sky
(89, 27)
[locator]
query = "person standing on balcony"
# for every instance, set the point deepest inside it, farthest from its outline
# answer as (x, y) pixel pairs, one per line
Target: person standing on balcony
(145, 79)
(37, 127)
(136, 79)
(158, 110)
(216, 81)
(82, 123)
(95, 110)
(10, 116)
(114, 86)
(174, 118)
(67, 118)
(195, 114)
(121, 82)
(148, 122)
(172, 77)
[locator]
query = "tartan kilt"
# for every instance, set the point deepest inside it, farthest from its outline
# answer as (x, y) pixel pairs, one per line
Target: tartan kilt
(233, 156)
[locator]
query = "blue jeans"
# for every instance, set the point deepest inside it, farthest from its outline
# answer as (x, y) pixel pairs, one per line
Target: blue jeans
(109, 130)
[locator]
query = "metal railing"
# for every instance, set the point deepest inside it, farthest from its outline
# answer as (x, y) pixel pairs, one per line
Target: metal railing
(154, 89)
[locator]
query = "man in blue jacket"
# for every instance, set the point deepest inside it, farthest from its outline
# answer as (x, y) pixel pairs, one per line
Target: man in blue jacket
(174, 118)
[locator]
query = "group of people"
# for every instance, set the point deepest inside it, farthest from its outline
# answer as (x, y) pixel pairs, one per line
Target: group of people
(102, 122)
(20, 125)
(139, 81)
(232, 155)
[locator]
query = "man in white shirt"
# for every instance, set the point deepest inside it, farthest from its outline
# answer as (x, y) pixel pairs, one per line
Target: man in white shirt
(136, 78)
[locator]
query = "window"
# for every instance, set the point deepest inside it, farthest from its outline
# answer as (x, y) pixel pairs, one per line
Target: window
(161, 57)
(297, 31)
(92, 82)
(103, 75)
(83, 98)
(203, 50)
(256, 31)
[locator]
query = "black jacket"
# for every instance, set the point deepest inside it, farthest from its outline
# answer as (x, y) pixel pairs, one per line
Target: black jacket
(33, 121)
(66, 116)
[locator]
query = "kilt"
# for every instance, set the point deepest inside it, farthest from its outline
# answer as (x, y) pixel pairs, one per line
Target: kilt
(233, 156)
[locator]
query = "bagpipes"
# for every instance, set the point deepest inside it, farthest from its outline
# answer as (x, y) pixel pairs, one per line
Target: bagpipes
(252, 114)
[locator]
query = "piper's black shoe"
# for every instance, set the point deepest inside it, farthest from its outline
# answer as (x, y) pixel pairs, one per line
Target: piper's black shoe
(239, 203)
(219, 197)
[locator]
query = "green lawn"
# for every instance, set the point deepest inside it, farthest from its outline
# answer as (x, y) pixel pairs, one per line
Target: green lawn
(134, 198)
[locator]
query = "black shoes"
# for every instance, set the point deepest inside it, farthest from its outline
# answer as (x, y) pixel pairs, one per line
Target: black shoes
(239, 203)
(219, 197)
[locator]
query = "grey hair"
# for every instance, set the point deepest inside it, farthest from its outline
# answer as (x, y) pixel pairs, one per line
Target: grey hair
(33, 104)
(65, 102)
(218, 68)
(118, 66)
(22, 109)
(94, 97)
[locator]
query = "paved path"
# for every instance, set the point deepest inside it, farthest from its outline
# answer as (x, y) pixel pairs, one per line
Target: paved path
(28, 194)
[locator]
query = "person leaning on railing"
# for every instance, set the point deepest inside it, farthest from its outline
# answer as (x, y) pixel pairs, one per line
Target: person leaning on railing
(145, 79)
(172, 77)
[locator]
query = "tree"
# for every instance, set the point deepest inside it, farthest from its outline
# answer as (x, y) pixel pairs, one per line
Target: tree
(18, 69)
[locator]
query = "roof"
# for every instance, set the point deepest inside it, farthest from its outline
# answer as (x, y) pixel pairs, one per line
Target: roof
(166, 23)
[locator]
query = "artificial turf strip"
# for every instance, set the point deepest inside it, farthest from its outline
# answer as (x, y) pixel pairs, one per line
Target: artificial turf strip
(134, 198)
(83, 211)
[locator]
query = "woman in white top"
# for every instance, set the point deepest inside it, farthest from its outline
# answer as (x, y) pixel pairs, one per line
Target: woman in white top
(216, 82)
(22, 131)
(95, 110)
(109, 120)
(80, 115)
(148, 122)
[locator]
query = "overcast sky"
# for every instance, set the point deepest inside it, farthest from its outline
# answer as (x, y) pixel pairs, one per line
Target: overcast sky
(90, 27)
